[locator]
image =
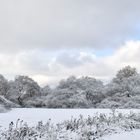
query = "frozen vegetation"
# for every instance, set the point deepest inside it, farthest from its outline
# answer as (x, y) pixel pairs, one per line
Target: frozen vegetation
(123, 91)
(24, 123)
(101, 125)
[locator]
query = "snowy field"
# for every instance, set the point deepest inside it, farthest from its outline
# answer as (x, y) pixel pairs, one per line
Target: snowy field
(134, 135)
(33, 116)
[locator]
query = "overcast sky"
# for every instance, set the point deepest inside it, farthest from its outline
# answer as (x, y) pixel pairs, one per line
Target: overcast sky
(52, 39)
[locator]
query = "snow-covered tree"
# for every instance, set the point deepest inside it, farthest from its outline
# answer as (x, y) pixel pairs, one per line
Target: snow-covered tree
(73, 93)
(23, 89)
(123, 89)
(124, 73)
(46, 90)
(68, 83)
(3, 85)
(82, 83)
(84, 92)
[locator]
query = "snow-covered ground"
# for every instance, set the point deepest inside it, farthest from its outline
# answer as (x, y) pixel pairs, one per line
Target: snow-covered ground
(134, 135)
(32, 116)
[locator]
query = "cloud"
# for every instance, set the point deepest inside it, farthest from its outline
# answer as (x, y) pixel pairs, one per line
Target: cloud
(104, 67)
(71, 60)
(51, 40)
(127, 54)
(70, 24)
(46, 67)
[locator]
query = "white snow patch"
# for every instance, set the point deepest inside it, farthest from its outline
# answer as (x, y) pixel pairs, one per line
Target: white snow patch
(134, 135)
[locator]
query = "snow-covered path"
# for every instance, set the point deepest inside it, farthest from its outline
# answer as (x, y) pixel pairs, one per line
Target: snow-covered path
(134, 135)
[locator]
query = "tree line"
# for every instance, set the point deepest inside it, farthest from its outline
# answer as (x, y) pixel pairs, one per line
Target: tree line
(123, 91)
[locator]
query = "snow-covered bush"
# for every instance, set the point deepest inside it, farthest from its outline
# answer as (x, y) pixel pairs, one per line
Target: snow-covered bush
(38, 102)
(6, 103)
(65, 98)
(90, 128)
(108, 103)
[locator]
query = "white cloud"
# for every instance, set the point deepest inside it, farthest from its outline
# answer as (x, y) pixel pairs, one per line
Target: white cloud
(127, 54)
(106, 67)
(50, 68)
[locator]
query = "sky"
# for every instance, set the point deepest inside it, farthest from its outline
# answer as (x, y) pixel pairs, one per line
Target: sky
(50, 40)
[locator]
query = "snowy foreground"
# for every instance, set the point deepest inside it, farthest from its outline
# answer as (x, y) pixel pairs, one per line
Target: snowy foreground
(70, 124)
(134, 135)
(33, 115)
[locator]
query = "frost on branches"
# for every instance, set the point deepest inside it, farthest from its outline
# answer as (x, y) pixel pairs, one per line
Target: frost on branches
(90, 128)
(123, 91)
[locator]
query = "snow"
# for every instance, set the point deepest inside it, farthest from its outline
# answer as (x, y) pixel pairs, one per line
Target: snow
(33, 115)
(134, 135)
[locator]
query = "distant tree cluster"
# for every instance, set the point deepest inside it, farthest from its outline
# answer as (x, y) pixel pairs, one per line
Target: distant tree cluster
(85, 92)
